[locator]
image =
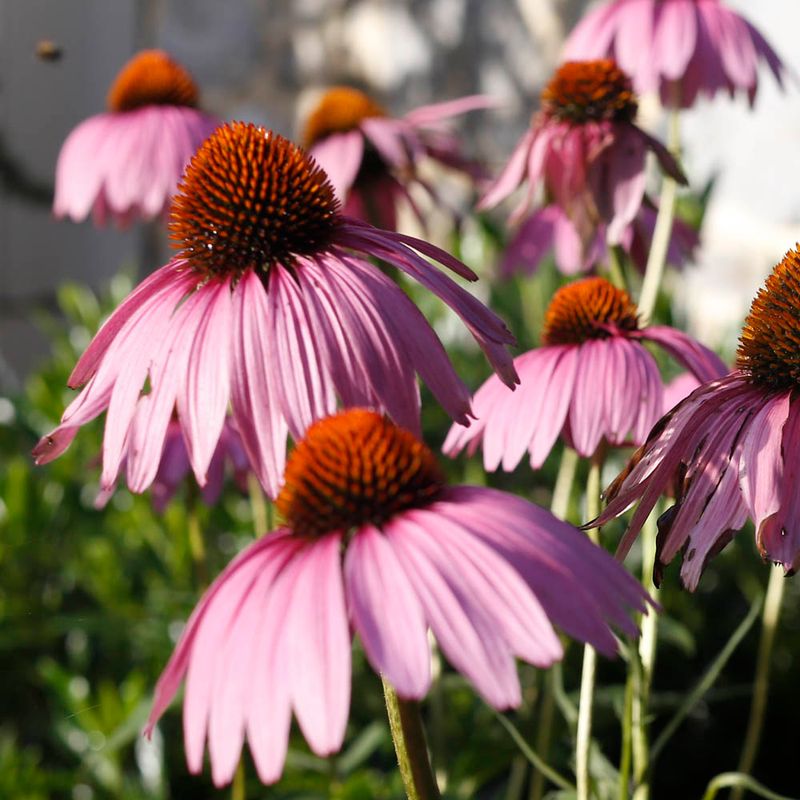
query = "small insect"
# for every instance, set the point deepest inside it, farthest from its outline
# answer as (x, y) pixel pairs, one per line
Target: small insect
(48, 50)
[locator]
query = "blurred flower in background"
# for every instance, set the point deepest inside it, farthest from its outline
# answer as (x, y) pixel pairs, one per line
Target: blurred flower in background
(586, 157)
(125, 164)
(591, 381)
(375, 543)
(679, 48)
(175, 467)
(373, 159)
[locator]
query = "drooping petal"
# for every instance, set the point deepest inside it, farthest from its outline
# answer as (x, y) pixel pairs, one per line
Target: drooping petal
(387, 614)
(255, 406)
(318, 643)
(340, 155)
(465, 632)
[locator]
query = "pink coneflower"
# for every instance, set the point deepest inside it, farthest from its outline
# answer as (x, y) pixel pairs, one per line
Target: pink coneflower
(372, 159)
(267, 307)
(374, 543)
(550, 230)
(584, 152)
(732, 448)
(591, 381)
(174, 467)
(126, 163)
(680, 48)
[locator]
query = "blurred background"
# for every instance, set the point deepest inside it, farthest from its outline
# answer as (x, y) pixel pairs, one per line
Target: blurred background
(91, 603)
(262, 61)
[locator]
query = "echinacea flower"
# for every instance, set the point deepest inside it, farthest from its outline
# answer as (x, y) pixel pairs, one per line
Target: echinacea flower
(174, 467)
(126, 163)
(375, 544)
(591, 381)
(270, 306)
(372, 159)
(550, 230)
(732, 448)
(584, 153)
(679, 48)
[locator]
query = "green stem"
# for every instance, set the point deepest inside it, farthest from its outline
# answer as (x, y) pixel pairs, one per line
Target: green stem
(769, 627)
(544, 732)
(616, 272)
(197, 547)
(625, 746)
(536, 760)
(259, 507)
(657, 257)
(238, 787)
(589, 672)
(559, 506)
(646, 664)
(408, 735)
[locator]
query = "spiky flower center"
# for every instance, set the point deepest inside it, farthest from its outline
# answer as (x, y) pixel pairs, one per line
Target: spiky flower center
(250, 199)
(151, 78)
(769, 347)
(341, 109)
(588, 309)
(583, 91)
(355, 468)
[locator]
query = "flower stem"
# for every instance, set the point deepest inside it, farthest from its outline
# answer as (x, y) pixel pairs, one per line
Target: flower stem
(238, 787)
(259, 507)
(657, 257)
(589, 673)
(643, 677)
(408, 735)
(197, 547)
(758, 707)
(616, 272)
(559, 505)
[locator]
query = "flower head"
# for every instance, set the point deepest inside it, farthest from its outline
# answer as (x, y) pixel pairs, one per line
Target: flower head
(267, 308)
(584, 153)
(681, 48)
(375, 544)
(732, 447)
(372, 159)
(126, 163)
(591, 381)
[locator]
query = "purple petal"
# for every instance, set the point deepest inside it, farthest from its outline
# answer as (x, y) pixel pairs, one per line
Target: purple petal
(387, 614)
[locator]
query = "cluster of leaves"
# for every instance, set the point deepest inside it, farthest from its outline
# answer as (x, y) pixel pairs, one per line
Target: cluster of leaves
(91, 603)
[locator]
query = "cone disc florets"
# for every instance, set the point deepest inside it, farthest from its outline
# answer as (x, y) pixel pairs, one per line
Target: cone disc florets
(769, 347)
(151, 78)
(584, 91)
(588, 309)
(250, 199)
(355, 468)
(341, 109)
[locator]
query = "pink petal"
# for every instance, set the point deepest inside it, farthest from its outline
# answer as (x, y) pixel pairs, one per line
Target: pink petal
(301, 383)
(511, 176)
(703, 363)
(204, 394)
(318, 643)
(761, 463)
(255, 405)
(438, 112)
(340, 155)
(387, 614)
(465, 632)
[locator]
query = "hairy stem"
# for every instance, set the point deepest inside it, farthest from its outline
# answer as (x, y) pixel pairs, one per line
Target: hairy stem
(408, 735)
